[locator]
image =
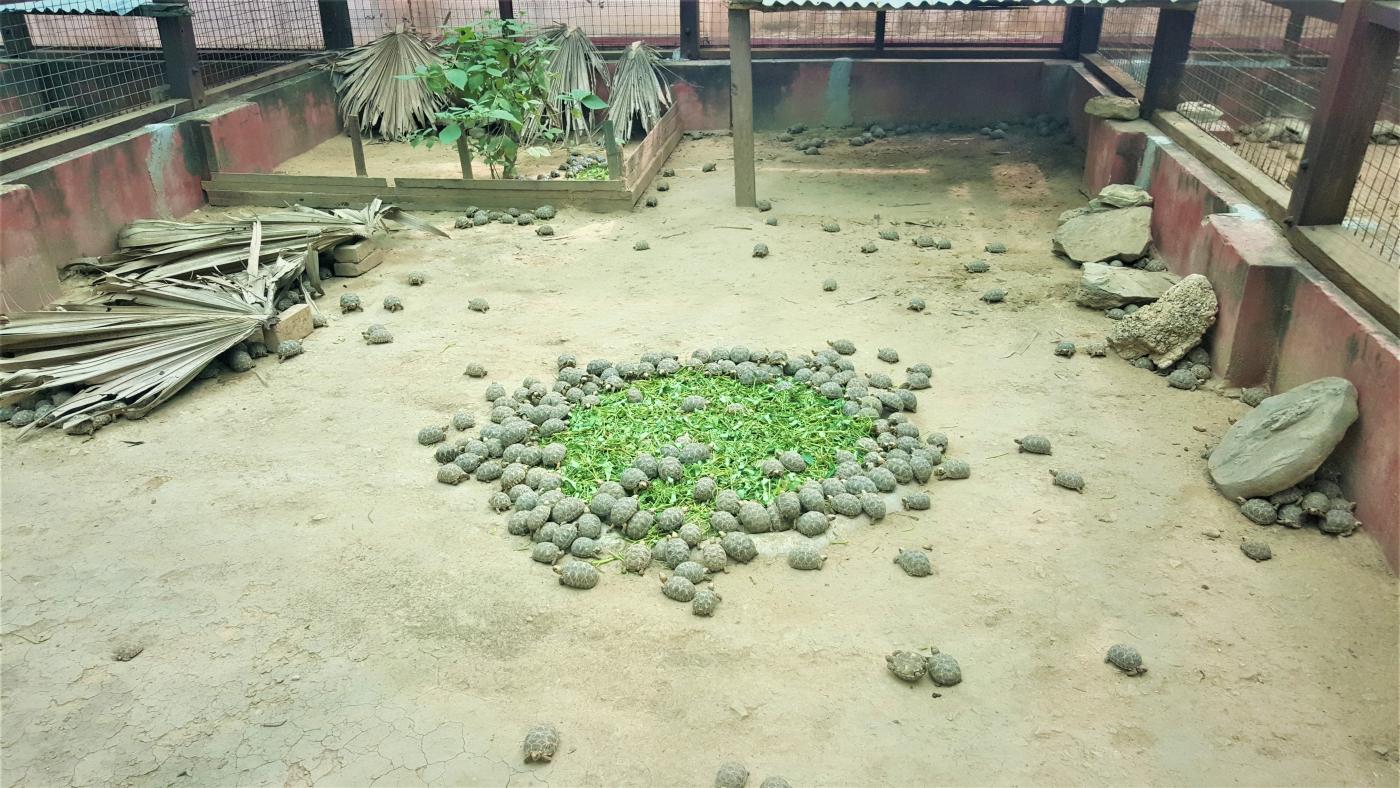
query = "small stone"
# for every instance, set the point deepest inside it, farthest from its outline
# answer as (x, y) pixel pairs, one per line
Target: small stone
(1113, 108)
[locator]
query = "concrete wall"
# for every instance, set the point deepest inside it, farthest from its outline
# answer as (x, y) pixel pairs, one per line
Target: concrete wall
(1281, 323)
(73, 205)
(846, 91)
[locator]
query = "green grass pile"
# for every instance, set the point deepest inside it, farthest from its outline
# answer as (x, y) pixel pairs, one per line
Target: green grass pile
(597, 172)
(603, 441)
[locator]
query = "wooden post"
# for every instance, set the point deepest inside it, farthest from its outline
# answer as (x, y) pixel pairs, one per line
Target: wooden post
(1293, 32)
(741, 107)
(880, 31)
(14, 28)
(464, 155)
(357, 145)
(506, 8)
(1170, 49)
(336, 30)
(690, 29)
(182, 72)
(1090, 28)
(1349, 100)
(1073, 32)
(613, 149)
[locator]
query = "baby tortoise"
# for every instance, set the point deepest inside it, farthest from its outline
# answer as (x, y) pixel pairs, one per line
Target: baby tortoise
(843, 346)
(705, 602)
(635, 559)
(917, 305)
(831, 227)
(889, 234)
(541, 743)
(677, 588)
(708, 166)
(416, 278)
(1259, 511)
(475, 370)
(1256, 550)
(888, 355)
(545, 212)
(349, 302)
(925, 241)
(288, 348)
(377, 335)
(1064, 349)
(640, 246)
(1339, 522)
(763, 206)
(829, 285)
(977, 267)
(1066, 479)
(760, 250)
(393, 304)
(868, 248)
(995, 296)
(663, 186)
(1125, 658)
(916, 501)
(731, 775)
(805, 556)
(908, 666)
(915, 563)
(996, 247)
(1183, 379)
(952, 468)
(478, 305)
(943, 669)
(577, 574)
(1033, 444)
(1096, 349)
(546, 230)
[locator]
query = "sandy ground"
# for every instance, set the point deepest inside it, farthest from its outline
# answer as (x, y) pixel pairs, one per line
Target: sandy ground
(315, 608)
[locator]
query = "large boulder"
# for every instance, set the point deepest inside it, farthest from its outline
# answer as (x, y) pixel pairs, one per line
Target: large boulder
(1168, 328)
(1106, 286)
(1283, 440)
(1106, 235)
(1113, 108)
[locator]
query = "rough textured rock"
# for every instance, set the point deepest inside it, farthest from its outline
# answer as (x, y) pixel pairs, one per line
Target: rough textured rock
(1167, 329)
(1106, 286)
(1108, 235)
(1120, 195)
(1283, 440)
(1113, 108)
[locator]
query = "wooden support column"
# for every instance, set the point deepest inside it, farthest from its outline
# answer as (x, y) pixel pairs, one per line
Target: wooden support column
(15, 30)
(1363, 54)
(741, 107)
(1090, 27)
(1170, 49)
(613, 150)
(182, 72)
(1073, 32)
(506, 8)
(357, 145)
(336, 31)
(1293, 32)
(690, 29)
(880, 31)
(464, 156)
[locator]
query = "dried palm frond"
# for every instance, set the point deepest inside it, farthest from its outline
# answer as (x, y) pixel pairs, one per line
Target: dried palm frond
(372, 89)
(639, 90)
(134, 345)
(161, 248)
(574, 65)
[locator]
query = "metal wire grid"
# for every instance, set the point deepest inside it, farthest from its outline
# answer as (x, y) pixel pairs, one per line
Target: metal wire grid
(608, 23)
(61, 72)
(238, 38)
(1041, 25)
(1252, 81)
(1126, 39)
(371, 19)
(1374, 213)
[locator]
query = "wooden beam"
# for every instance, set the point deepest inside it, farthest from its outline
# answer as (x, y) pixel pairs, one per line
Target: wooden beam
(690, 29)
(506, 8)
(1118, 80)
(182, 72)
(357, 145)
(1170, 49)
(464, 156)
(1073, 32)
(613, 150)
(741, 107)
(27, 155)
(880, 30)
(1362, 56)
(336, 30)
(1091, 27)
(1373, 283)
(1293, 32)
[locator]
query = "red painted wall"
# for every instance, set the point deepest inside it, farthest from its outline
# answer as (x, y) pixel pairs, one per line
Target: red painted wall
(27, 280)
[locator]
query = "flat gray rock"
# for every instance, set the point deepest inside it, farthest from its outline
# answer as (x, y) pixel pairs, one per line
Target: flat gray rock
(1106, 286)
(1106, 235)
(1168, 328)
(1283, 440)
(1121, 195)
(1113, 108)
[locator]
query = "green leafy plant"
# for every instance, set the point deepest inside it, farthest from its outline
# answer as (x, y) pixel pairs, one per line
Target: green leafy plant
(495, 81)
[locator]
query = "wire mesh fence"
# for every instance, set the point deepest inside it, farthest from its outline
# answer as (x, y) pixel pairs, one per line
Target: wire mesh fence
(64, 71)
(1126, 39)
(1374, 213)
(608, 24)
(1037, 26)
(238, 38)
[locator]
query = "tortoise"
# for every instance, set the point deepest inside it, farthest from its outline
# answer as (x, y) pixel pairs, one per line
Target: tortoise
(829, 285)
(430, 435)
(1259, 511)
(1068, 480)
(868, 248)
(977, 266)
(908, 666)
(1339, 522)
(478, 305)
(1065, 349)
(763, 206)
(951, 469)
(739, 546)
(915, 563)
(917, 305)
(1183, 379)
(577, 574)
(1256, 550)
(831, 227)
(475, 370)
(943, 669)
(712, 557)
(916, 501)
(731, 775)
(1033, 444)
(995, 296)
(450, 473)
(889, 234)
(813, 523)
(1096, 349)
(1316, 504)
(760, 250)
(704, 602)
(547, 230)
(690, 570)
(640, 246)
(793, 461)
(541, 743)
(888, 355)
(546, 552)
(708, 166)
(805, 556)
(349, 302)
(996, 247)
(677, 588)
(393, 303)
(843, 346)
(1125, 658)
(287, 348)
(635, 559)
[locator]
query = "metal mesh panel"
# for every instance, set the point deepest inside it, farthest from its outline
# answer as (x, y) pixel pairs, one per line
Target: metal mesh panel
(1374, 213)
(1041, 26)
(61, 72)
(1126, 39)
(238, 38)
(608, 24)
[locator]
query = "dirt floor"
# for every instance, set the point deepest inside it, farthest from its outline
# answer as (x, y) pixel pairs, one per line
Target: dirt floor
(312, 607)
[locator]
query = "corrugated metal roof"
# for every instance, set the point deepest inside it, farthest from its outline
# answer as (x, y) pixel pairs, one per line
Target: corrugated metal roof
(908, 5)
(104, 7)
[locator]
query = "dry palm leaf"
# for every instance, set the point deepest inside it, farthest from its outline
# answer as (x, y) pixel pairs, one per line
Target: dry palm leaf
(639, 90)
(136, 344)
(161, 248)
(575, 65)
(373, 90)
